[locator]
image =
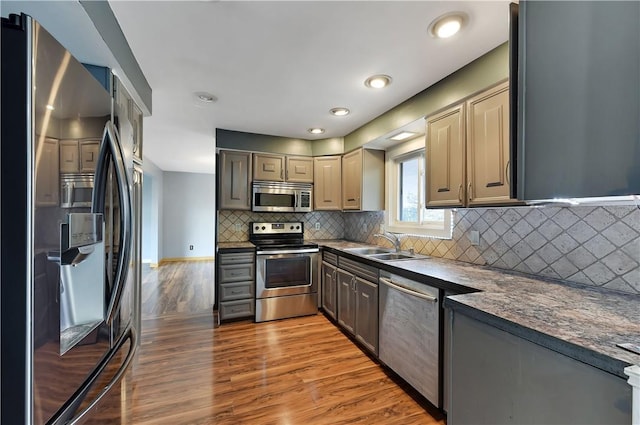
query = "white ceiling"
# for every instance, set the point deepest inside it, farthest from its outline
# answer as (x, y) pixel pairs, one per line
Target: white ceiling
(278, 67)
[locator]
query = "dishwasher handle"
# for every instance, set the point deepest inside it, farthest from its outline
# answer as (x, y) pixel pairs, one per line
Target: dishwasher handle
(401, 288)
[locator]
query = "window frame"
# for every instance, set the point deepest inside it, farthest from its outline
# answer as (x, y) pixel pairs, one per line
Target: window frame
(394, 156)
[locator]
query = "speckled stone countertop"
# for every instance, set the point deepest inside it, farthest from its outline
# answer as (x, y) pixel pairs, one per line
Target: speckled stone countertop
(235, 245)
(579, 321)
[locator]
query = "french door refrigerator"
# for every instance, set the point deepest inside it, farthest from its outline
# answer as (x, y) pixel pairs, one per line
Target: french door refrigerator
(66, 308)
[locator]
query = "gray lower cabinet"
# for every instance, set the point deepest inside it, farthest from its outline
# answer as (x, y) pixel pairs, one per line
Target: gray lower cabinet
(236, 284)
(358, 308)
(329, 289)
(500, 378)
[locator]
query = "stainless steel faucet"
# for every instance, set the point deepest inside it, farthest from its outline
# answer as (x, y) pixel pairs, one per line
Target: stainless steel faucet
(391, 237)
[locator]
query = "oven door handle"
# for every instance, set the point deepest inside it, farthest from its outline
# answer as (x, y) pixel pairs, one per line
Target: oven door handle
(288, 251)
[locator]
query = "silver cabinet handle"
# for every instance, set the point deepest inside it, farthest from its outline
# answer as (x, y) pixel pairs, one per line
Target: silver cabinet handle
(281, 174)
(460, 193)
(401, 288)
(469, 194)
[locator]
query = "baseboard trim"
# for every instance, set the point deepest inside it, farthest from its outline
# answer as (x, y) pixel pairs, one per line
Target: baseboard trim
(179, 259)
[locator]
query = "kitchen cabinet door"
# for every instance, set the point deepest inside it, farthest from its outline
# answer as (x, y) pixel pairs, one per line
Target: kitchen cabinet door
(329, 288)
(299, 169)
(358, 167)
(488, 147)
(445, 158)
(268, 167)
(346, 301)
(366, 329)
(47, 173)
(89, 150)
(235, 180)
(69, 156)
(327, 192)
(351, 180)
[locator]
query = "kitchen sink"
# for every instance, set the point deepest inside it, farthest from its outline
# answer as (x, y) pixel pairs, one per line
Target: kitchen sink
(368, 251)
(390, 256)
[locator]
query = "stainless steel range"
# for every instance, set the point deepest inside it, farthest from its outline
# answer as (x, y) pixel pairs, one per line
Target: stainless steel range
(287, 272)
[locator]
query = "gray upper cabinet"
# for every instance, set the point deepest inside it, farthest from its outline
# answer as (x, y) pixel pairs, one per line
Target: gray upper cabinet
(235, 180)
(578, 99)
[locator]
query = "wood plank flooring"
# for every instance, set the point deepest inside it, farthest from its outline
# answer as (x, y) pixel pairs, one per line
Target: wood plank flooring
(300, 371)
(177, 287)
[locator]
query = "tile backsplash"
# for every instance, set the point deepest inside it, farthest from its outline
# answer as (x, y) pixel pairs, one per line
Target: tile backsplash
(331, 224)
(591, 245)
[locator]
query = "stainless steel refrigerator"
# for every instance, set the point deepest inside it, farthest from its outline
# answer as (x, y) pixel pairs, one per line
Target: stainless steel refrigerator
(67, 302)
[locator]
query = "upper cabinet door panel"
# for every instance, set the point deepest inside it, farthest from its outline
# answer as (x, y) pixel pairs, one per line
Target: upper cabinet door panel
(488, 147)
(268, 167)
(327, 193)
(352, 180)
(89, 155)
(235, 182)
(299, 169)
(445, 158)
(69, 161)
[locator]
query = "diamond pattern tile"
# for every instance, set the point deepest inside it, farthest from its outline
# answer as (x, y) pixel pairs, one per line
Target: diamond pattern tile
(589, 245)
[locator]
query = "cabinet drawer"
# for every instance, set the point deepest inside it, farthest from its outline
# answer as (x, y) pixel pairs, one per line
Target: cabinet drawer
(236, 272)
(236, 291)
(236, 309)
(361, 270)
(330, 258)
(236, 258)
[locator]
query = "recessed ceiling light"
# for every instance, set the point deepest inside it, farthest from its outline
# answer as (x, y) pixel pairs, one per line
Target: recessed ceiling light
(447, 25)
(316, 130)
(339, 112)
(404, 135)
(206, 97)
(50, 107)
(378, 81)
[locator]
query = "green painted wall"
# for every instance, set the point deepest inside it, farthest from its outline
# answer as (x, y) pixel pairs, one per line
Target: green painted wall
(334, 146)
(229, 139)
(477, 75)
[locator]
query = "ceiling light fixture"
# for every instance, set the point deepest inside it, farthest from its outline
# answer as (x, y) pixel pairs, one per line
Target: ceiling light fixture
(316, 130)
(206, 97)
(50, 107)
(378, 81)
(447, 25)
(339, 112)
(404, 135)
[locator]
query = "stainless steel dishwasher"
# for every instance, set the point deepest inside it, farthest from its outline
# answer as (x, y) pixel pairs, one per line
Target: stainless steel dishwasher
(409, 333)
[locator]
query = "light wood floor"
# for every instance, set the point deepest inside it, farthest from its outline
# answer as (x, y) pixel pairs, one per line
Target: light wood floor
(179, 287)
(300, 371)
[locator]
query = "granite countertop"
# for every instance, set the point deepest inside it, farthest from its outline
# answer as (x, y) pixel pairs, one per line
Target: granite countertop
(235, 245)
(579, 321)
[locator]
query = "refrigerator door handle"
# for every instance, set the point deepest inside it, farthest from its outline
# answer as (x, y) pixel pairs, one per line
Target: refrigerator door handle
(72, 405)
(110, 149)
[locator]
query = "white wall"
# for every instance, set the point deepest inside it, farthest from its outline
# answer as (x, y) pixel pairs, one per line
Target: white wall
(152, 214)
(188, 215)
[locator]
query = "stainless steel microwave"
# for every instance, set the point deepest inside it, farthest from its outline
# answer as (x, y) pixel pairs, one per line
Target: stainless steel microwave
(281, 197)
(76, 190)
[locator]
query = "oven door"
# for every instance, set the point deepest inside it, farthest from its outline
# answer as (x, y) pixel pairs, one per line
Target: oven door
(281, 273)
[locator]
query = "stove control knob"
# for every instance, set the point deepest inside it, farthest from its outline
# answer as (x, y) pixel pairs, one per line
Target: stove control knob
(263, 227)
(291, 227)
(298, 227)
(257, 227)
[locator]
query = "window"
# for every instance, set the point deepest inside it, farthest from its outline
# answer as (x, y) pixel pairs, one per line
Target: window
(406, 195)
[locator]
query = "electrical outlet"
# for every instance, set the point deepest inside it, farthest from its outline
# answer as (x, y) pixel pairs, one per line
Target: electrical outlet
(474, 237)
(190, 247)
(317, 226)
(238, 227)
